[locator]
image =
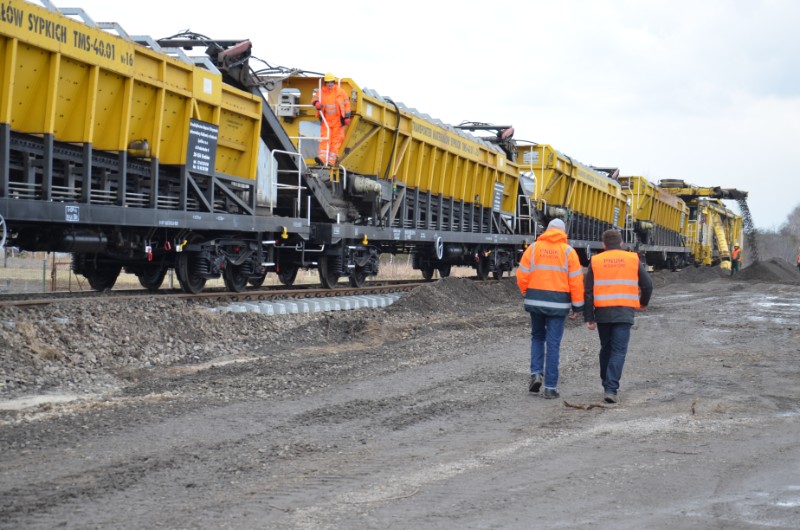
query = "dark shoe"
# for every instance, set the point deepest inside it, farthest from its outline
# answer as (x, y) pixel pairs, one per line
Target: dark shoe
(318, 160)
(536, 382)
(610, 398)
(551, 393)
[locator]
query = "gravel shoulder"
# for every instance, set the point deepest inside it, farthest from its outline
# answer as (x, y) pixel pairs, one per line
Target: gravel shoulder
(414, 416)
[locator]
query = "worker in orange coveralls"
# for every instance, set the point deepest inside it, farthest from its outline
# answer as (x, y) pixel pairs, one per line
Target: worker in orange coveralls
(333, 104)
(736, 259)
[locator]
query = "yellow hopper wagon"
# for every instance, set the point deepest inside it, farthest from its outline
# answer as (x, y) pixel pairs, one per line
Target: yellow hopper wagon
(125, 154)
(588, 200)
(403, 170)
(657, 223)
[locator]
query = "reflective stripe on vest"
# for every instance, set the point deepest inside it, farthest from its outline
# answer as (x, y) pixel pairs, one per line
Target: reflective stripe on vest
(547, 299)
(616, 278)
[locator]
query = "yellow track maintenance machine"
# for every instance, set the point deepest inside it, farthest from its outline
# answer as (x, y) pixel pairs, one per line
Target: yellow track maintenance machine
(713, 228)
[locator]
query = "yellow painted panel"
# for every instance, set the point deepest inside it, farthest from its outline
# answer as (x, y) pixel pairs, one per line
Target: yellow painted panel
(110, 120)
(235, 146)
(7, 59)
(30, 89)
(174, 125)
(73, 107)
(145, 110)
(207, 87)
(54, 32)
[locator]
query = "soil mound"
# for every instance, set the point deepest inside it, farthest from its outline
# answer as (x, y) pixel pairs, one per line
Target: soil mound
(689, 274)
(773, 270)
(457, 295)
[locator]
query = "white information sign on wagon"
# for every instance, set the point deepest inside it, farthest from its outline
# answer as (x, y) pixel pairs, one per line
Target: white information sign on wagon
(201, 155)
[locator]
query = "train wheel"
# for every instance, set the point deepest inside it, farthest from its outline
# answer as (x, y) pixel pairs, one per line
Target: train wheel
(190, 281)
(427, 272)
(444, 270)
(152, 276)
(104, 278)
(497, 275)
(288, 275)
(358, 277)
(257, 281)
(235, 280)
(327, 277)
(482, 268)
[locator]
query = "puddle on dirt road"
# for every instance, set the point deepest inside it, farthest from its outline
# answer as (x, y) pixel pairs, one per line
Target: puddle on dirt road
(34, 401)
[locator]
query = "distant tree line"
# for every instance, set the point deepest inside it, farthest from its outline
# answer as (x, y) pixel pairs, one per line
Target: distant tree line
(782, 242)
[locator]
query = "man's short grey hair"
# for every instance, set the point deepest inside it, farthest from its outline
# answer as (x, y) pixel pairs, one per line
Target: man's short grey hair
(612, 237)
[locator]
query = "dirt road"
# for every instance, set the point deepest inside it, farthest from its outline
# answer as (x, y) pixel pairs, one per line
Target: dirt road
(418, 416)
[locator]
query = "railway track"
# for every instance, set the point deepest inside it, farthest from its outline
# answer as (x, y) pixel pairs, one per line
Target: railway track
(250, 295)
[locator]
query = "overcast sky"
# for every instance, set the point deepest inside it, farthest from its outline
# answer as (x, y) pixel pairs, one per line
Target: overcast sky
(705, 90)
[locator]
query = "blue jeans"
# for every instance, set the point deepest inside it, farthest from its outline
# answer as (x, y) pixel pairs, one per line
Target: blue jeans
(613, 348)
(546, 333)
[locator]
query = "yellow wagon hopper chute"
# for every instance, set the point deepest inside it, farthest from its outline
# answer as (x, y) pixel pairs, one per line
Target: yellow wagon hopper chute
(80, 84)
(413, 151)
(588, 200)
(657, 216)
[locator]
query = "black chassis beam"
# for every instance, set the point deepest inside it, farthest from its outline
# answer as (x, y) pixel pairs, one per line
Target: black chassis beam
(90, 215)
(329, 234)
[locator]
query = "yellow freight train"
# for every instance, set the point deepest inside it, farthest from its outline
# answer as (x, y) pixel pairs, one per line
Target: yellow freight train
(135, 155)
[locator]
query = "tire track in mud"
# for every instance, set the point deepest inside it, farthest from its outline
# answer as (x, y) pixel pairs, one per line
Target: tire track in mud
(394, 485)
(249, 451)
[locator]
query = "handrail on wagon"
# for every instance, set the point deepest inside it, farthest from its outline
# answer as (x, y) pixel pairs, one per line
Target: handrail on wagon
(299, 172)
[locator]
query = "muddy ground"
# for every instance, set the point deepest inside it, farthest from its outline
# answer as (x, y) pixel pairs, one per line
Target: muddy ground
(415, 416)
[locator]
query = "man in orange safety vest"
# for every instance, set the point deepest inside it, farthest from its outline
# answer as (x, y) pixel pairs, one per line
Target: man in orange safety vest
(550, 277)
(333, 111)
(616, 284)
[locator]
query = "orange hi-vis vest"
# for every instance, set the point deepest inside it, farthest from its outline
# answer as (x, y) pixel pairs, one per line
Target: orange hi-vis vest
(550, 275)
(735, 254)
(616, 278)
